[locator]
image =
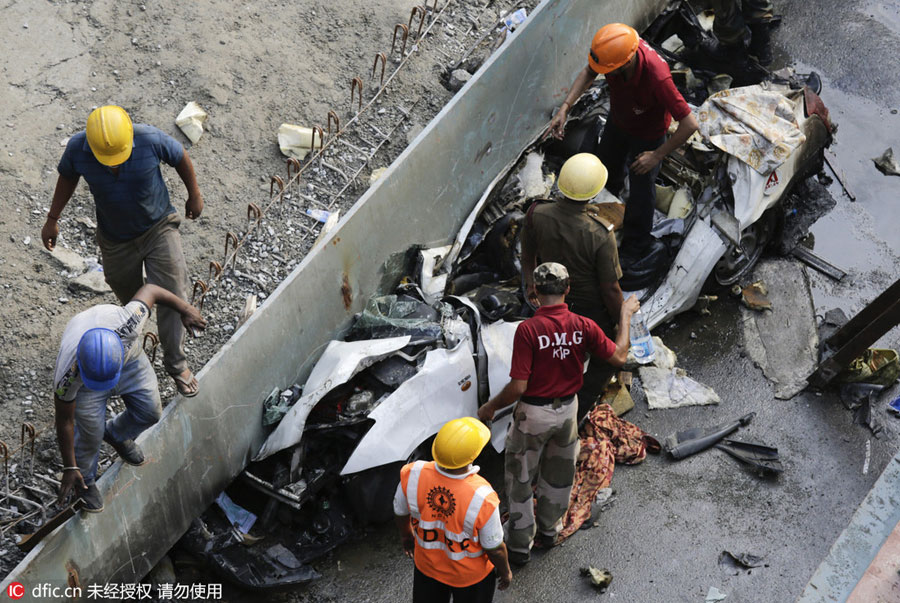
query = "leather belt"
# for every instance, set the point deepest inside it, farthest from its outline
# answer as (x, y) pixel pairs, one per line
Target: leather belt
(539, 401)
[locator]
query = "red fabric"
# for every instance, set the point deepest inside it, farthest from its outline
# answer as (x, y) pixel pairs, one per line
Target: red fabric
(605, 440)
(549, 351)
(644, 105)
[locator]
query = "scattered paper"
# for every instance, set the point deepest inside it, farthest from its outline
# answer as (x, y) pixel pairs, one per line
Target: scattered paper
(672, 388)
(297, 141)
(886, 164)
(190, 121)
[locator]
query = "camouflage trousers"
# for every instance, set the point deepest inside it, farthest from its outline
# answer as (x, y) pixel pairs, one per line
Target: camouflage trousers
(733, 17)
(543, 444)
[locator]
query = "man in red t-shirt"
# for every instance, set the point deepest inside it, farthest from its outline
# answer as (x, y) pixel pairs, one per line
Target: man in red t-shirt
(549, 351)
(643, 101)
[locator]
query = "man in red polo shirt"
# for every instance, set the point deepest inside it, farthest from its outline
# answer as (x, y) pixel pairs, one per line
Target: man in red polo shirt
(549, 351)
(643, 101)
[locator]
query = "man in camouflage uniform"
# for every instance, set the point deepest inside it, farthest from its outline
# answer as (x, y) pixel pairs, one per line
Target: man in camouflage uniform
(745, 26)
(547, 364)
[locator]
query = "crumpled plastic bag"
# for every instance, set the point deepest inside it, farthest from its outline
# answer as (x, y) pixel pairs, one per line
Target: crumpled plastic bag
(531, 177)
(599, 578)
(672, 388)
(277, 404)
(390, 316)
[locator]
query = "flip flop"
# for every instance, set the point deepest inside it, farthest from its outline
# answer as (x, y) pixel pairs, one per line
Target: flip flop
(189, 387)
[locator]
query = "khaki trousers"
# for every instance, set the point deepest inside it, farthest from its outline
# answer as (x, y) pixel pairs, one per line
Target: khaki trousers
(159, 252)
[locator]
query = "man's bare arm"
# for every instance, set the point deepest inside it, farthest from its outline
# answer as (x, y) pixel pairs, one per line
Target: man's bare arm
(648, 160)
(65, 437)
(500, 559)
(151, 294)
(582, 82)
(623, 334)
(65, 188)
(509, 394)
(193, 207)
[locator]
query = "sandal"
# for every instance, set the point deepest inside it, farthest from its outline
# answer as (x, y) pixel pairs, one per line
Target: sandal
(187, 387)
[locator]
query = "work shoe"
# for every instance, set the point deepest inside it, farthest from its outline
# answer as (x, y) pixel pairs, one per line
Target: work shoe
(519, 559)
(542, 541)
(128, 451)
(761, 43)
(91, 500)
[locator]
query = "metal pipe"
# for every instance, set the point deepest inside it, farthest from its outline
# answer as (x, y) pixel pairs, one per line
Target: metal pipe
(215, 271)
(203, 290)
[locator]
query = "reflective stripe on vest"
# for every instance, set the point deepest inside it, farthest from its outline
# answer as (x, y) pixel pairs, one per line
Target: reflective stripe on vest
(474, 509)
(412, 488)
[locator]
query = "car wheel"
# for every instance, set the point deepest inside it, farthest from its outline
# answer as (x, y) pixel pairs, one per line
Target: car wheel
(754, 240)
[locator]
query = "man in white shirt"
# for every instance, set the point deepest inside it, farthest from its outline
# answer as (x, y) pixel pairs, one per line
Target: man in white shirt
(100, 356)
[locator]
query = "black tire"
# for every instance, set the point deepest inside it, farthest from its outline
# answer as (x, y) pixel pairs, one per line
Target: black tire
(762, 234)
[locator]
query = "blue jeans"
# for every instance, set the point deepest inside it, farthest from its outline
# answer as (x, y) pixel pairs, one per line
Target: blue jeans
(139, 390)
(617, 150)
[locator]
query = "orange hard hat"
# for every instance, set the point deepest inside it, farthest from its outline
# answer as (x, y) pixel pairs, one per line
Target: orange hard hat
(613, 46)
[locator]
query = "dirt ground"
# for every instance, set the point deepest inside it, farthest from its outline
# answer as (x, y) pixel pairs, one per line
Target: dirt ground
(252, 66)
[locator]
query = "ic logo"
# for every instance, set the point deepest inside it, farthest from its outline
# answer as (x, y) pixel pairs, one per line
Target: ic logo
(15, 590)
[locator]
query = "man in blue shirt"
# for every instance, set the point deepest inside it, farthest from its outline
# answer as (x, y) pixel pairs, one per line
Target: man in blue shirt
(137, 223)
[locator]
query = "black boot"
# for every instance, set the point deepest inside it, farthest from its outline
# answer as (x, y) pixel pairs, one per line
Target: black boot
(761, 43)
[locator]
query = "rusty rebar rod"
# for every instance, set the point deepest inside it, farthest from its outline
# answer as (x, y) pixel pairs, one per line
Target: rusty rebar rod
(403, 28)
(354, 83)
(383, 58)
(412, 15)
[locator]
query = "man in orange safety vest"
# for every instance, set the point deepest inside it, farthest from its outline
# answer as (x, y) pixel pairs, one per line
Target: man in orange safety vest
(449, 520)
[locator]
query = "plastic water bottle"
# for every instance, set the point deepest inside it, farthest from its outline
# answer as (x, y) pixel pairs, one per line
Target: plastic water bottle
(515, 19)
(641, 342)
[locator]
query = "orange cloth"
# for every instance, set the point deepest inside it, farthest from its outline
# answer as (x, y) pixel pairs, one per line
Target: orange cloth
(446, 515)
(605, 440)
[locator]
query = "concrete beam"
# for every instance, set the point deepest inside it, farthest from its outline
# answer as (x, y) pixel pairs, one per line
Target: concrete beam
(858, 545)
(201, 444)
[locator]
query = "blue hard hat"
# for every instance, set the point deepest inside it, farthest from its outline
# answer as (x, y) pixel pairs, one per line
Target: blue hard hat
(100, 359)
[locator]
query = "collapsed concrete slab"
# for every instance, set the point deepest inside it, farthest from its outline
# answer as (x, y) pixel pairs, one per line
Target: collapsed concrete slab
(783, 341)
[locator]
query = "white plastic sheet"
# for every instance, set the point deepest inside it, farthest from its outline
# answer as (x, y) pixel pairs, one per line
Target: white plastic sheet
(672, 388)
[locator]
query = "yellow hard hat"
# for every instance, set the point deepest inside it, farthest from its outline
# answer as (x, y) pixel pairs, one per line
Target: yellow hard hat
(582, 176)
(110, 135)
(459, 442)
(613, 46)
